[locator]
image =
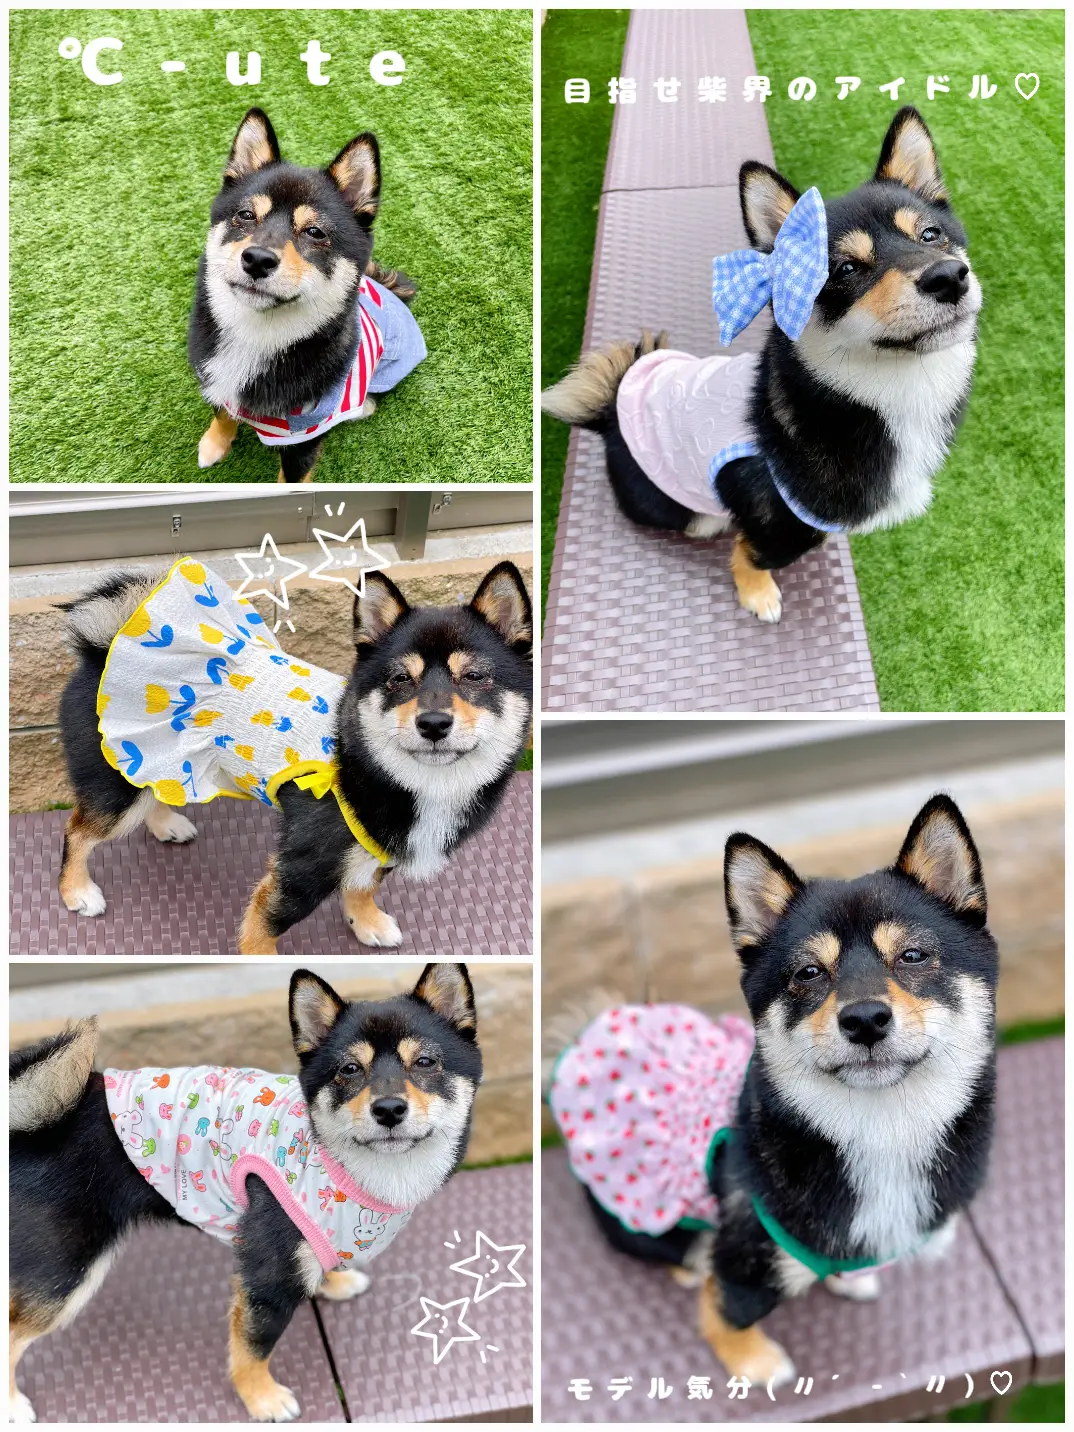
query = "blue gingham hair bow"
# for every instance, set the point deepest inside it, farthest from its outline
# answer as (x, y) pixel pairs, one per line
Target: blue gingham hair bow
(791, 275)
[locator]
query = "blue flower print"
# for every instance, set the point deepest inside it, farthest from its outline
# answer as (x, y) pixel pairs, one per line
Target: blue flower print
(328, 745)
(320, 705)
(133, 757)
(214, 669)
(283, 724)
(167, 636)
(208, 598)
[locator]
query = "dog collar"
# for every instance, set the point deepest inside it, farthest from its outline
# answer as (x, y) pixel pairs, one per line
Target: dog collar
(320, 777)
(816, 1262)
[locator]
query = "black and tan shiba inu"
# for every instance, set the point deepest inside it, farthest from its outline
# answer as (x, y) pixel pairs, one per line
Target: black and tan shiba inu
(851, 422)
(864, 1119)
(387, 1091)
(294, 325)
(427, 732)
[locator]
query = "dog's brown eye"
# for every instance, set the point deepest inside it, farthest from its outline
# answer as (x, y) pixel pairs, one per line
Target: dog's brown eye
(398, 679)
(846, 269)
(314, 232)
(913, 957)
(929, 236)
(348, 1071)
(424, 1062)
(246, 216)
(807, 973)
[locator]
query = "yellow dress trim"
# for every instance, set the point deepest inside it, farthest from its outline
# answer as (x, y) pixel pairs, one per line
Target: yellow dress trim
(320, 777)
(166, 791)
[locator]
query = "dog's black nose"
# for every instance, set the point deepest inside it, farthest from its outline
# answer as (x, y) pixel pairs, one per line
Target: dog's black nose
(388, 1110)
(866, 1022)
(947, 281)
(434, 725)
(259, 263)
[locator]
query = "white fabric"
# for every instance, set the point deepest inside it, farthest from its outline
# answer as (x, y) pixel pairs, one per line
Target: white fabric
(196, 1134)
(198, 700)
(678, 412)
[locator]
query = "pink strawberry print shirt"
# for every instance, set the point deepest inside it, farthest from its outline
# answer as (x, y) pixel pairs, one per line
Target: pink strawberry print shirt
(638, 1097)
(196, 1134)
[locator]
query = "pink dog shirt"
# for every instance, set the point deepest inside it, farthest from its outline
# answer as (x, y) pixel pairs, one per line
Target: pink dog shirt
(196, 1134)
(683, 418)
(639, 1096)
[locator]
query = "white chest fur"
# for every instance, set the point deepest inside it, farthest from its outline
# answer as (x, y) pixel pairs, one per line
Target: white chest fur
(916, 394)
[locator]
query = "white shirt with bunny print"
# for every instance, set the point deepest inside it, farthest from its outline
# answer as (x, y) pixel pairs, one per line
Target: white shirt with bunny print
(197, 1134)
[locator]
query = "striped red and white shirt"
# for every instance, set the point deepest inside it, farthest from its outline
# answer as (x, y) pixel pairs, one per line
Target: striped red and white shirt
(344, 403)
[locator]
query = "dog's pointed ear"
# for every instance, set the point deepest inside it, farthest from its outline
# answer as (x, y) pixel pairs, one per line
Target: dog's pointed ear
(908, 156)
(378, 610)
(255, 145)
(356, 172)
(758, 886)
(766, 198)
(447, 990)
(313, 1007)
(504, 603)
(939, 855)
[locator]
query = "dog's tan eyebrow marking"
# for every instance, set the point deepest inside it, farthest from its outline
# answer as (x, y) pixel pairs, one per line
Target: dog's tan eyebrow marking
(459, 663)
(362, 1053)
(414, 665)
(856, 245)
(823, 947)
(905, 220)
(305, 215)
(891, 939)
(261, 205)
(409, 1049)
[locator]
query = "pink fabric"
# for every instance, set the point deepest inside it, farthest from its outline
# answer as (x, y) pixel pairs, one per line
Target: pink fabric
(677, 412)
(638, 1097)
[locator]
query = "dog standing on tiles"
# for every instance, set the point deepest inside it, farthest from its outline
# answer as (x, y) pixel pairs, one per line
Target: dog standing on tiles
(294, 326)
(843, 421)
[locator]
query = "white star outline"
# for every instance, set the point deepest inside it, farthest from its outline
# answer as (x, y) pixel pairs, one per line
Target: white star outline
(427, 1305)
(517, 1280)
(377, 563)
(267, 591)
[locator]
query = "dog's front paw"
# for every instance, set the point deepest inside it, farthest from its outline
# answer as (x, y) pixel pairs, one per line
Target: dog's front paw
(370, 924)
(367, 409)
(861, 1288)
(213, 447)
(761, 597)
(88, 899)
(20, 1408)
(344, 1283)
(275, 1403)
(766, 1364)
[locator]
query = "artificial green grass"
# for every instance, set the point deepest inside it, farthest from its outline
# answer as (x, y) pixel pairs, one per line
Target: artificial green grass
(574, 146)
(964, 607)
(110, 194)
(1032, 1404)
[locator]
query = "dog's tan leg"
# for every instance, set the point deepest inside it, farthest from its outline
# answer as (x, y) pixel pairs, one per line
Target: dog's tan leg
(169, 824)
(343, 1283)
(370, 924)
(744, 1352)
(217, 439)
(757, 590)
(264, 1398)
(84, 830)
(255, 933)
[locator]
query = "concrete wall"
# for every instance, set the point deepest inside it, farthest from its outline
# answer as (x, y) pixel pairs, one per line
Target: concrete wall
(41, 661)
(253, 1030)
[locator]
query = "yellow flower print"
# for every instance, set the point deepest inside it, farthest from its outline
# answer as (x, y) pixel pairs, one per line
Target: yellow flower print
(110, 756)
(300, 670)
(102, 702)
(239, 681)
(292, 756)
(193, 572)
(206, 718)
(156, 700)
(247, 783)
(210, 634)
(170, 792)
(137, 625)
(261, 718)
(246, 752)
(298, 694)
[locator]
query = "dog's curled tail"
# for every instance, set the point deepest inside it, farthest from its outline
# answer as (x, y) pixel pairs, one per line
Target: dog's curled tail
(586, 396)
(563, 1026)
(93, 620)
(47, 1079)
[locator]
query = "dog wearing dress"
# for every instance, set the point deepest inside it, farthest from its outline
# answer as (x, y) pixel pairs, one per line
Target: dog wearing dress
(294, 326)
(842, 1131)
(183, 696)
(844, 419)
(309, 1176)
